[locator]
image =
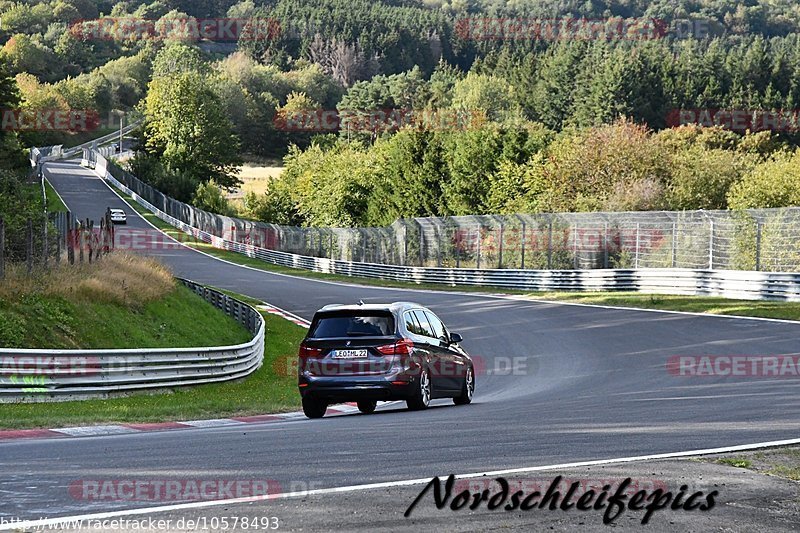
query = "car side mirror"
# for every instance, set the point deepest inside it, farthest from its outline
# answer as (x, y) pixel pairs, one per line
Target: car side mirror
(455, 338)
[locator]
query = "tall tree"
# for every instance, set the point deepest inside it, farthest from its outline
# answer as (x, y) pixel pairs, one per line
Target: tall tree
(11, 156)
(186, 125)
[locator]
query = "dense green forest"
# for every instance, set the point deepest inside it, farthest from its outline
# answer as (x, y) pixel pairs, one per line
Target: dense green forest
(560, 123)
(19, 199)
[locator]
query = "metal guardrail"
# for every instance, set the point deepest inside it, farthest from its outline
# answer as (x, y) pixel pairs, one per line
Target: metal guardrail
(48, 375)
(102, 140)
(753, 239)
(45, 154)
(748, 285)
(39, 155)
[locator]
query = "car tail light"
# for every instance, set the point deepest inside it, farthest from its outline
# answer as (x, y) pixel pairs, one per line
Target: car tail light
(401, 347)
(307, 351)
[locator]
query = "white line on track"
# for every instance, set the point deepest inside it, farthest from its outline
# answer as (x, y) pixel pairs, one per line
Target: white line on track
(390, 484)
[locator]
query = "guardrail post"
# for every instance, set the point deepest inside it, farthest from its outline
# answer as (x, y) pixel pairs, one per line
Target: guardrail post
(638, 243)
(45, 243)
(674, 244)
(45, 247)
(605, 245)
(88, 230)
(711, 244)
(523, 244)
(81, 238)
(458, 248)
(550, 245)
(421, 246)
(2, 248)
(405, 244)
(363, 245)
(478, 250)
(758, 245)
(500, 251)
(439, 246)
(575, 247)
(29, 246)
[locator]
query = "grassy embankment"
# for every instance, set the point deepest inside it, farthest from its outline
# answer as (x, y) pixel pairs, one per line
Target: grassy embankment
(696, 304)
(781, 462)
(54, 202)
(129, 302)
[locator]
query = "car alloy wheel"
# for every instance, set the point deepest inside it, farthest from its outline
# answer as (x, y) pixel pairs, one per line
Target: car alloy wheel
(422, 394)
(467, 389)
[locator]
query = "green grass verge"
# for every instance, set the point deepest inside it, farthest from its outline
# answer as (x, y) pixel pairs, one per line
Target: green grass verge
(178, 320)
(780, 462)
(738, 462)
(695, 304)
(271, 389)
(54, 203)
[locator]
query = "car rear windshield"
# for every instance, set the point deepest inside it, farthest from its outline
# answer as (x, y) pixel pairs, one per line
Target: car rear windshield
(352, 325)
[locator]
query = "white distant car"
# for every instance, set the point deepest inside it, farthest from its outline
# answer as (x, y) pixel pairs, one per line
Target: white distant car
(118, 216)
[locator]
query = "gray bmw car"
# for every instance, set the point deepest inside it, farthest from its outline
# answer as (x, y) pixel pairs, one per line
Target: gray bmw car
(368, 353)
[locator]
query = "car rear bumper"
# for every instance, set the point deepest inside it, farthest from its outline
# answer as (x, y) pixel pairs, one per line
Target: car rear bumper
(345, 389)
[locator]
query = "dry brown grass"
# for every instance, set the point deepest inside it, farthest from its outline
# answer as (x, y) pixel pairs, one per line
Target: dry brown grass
(255, 179)
(120, 278)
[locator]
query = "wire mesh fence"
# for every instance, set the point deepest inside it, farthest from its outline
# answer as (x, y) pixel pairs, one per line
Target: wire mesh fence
(53, 238)
(765, 239)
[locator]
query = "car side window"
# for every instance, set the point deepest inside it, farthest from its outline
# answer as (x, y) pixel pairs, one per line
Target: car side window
(438, 328)
(425, 327)
(411, 323)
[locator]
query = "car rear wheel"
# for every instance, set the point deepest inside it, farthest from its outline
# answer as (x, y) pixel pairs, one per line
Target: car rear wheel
(314, 408)
(422, 394)
(367, 406)
(467, 389)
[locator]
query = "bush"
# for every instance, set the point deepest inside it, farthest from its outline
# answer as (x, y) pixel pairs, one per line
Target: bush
(209, 197)
(701, 177)
(773, 183)
(587, 168)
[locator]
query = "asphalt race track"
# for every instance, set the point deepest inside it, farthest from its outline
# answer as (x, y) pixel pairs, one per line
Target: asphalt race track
(594, 386)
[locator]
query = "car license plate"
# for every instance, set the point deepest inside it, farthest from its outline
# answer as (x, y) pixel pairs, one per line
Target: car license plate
(349, 354)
